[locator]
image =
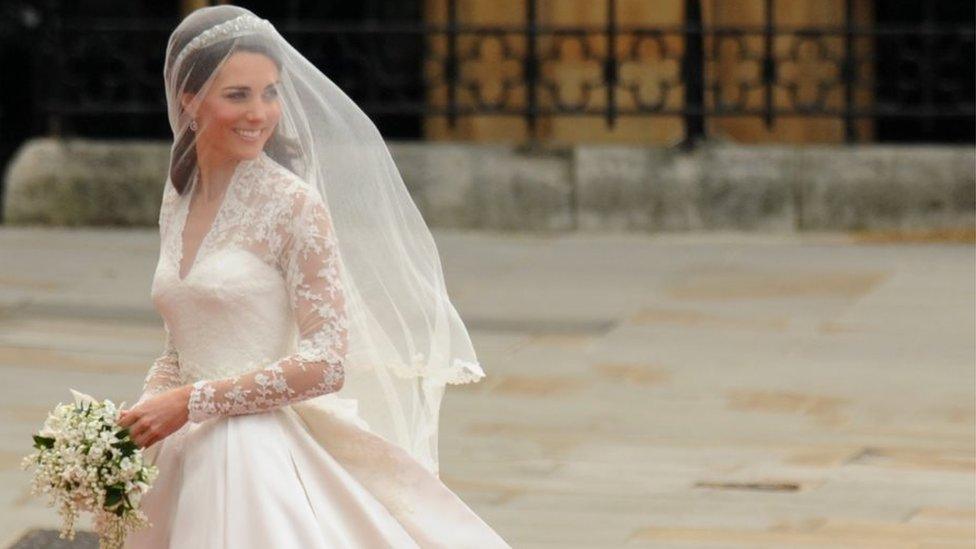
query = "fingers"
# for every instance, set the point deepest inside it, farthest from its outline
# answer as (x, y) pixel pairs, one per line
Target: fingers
(126, 418)
(137, 429)
(149, 438)
(141, 439)
(144, 434)
(143, 429)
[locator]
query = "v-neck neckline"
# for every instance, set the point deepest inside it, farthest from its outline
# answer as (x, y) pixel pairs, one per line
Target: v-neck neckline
(213, 223)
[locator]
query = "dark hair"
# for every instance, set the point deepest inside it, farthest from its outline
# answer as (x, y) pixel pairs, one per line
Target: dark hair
(194, 72)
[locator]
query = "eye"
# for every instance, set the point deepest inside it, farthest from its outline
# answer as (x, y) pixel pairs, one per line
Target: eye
(272, 92)
(237, 95)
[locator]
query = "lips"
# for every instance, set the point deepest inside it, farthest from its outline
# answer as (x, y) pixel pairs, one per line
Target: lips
(248, 135)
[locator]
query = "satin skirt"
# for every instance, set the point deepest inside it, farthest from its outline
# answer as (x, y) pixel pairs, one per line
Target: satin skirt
(269, 480)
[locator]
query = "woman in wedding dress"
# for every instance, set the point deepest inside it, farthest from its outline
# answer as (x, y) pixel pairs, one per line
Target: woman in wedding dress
(309, 335)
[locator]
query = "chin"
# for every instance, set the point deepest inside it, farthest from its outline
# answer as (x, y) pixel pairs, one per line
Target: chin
(251, 152)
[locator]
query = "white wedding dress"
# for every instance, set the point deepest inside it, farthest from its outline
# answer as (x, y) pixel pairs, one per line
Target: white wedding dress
(257, 326)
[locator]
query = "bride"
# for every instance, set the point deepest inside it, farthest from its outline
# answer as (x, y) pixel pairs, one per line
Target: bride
(309, 334)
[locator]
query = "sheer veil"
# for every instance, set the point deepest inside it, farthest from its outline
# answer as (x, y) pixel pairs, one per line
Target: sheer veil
(406, 339)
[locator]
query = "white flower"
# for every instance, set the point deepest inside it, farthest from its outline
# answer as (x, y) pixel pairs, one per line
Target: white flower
(81, 398)
(81, 468)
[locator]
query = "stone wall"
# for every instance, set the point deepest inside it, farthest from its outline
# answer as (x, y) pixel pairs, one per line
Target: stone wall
(78, 183)
(584, 187)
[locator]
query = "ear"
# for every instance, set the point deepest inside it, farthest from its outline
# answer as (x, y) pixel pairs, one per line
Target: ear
(186, 100)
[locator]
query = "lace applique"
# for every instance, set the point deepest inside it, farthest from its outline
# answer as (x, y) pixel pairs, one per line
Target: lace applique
(167, 205)
(462, 371)
(283, 382)
(272, 210)
(164, 373)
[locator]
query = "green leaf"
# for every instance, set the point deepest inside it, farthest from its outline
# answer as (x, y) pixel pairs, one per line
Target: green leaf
(43, 442)
(113, 495)
(112, 498)
(127, 447)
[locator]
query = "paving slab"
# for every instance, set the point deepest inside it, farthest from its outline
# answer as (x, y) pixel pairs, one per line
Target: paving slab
(671, 390)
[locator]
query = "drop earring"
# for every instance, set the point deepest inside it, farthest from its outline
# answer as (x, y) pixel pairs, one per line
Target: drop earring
(193, 124)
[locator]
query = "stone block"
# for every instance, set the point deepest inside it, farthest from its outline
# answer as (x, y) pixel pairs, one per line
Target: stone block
(748, 188)
(522, 190)
(440, 178)
(85, 183)
(886, 187)
(623, 188)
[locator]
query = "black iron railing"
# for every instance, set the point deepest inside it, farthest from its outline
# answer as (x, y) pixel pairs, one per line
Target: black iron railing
(99, 76)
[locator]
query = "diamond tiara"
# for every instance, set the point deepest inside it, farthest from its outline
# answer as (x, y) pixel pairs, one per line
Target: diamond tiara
(240, 24)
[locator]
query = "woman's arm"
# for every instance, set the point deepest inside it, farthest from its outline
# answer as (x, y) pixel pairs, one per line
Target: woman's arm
(309, 262)
(164, 373)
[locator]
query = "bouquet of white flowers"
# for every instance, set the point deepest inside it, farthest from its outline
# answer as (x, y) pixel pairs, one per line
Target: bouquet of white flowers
(86, 462)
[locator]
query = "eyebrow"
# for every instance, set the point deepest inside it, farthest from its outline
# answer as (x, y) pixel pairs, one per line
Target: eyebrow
(247, 87)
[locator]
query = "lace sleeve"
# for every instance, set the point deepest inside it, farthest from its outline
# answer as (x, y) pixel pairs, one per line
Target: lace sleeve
(164, 373)
(309, 263)
(166, 205)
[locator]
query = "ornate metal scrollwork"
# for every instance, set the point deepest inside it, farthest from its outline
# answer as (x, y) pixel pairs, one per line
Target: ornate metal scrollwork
(417, 68)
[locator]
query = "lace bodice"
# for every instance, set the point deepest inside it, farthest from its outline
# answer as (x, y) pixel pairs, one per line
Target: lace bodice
(259, 321)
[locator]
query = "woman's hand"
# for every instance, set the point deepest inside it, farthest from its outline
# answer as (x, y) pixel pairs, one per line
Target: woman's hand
(158, 417)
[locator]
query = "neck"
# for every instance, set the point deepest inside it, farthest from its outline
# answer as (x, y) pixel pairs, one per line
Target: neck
(215, 173)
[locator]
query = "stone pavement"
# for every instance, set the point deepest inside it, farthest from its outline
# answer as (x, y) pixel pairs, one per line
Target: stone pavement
(682, 390)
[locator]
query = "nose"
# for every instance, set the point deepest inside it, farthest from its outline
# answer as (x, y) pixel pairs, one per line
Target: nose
(257, 112)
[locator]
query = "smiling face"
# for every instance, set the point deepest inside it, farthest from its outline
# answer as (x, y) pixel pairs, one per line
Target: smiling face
(240, 110)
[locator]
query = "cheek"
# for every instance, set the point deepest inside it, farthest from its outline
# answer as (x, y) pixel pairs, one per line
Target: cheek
(275, 114)
(224, 115)
(230, 116)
